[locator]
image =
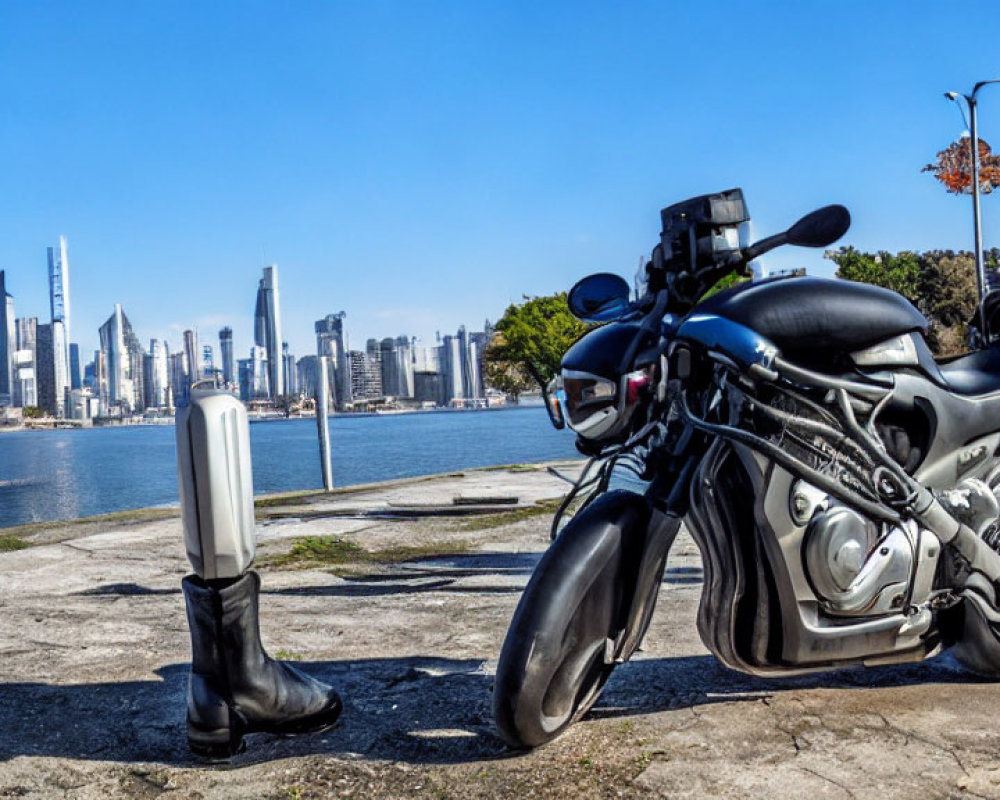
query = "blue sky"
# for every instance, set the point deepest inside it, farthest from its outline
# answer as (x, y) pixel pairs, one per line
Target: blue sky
(421, 165)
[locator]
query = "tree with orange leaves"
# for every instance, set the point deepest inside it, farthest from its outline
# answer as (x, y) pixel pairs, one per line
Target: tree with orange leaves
(954, 167)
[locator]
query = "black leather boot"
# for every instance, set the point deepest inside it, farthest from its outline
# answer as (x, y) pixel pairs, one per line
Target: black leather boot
(236, 687)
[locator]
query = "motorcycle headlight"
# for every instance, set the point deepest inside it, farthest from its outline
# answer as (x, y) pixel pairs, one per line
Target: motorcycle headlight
(597, 407)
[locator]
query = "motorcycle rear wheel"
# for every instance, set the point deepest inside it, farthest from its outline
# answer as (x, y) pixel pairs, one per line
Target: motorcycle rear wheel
(553, 664)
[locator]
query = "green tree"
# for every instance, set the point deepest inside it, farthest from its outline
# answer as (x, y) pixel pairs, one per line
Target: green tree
(504, 376)
(948, 298)
(32, 412)
(727, 282)
(533, 337)
(900, 272)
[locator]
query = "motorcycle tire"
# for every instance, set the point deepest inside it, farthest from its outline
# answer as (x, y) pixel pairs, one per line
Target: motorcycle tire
(553, 664)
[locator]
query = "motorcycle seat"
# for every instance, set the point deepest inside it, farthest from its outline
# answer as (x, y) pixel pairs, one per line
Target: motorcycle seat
(974, 373)
(817, 317)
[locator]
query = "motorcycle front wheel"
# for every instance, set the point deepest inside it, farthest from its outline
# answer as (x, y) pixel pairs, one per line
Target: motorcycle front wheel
(555, 658)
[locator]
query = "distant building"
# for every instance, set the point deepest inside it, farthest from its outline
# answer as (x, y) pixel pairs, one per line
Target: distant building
(157, 375)
(428, 388)
(253, 376)
(45, 375)
(75, 371)
(60, 330)
(267, 330)
(307, 372)
(121, 391)
(289, 371)
(228, 363)
(366, 376)
(8, 343)
(178, 376)
(460, 362)
(193, 359)
(25, 362)
(331, 341)
(388, 367)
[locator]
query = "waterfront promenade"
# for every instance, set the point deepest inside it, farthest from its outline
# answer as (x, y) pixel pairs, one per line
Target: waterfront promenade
(400, 596)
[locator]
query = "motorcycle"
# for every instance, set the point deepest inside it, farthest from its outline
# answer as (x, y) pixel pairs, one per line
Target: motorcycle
(841, 484)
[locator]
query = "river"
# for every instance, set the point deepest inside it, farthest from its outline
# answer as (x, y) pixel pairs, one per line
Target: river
(64, 474)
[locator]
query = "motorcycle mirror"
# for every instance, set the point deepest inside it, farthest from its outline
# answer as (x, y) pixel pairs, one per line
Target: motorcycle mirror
(599, 298)
(820, 228)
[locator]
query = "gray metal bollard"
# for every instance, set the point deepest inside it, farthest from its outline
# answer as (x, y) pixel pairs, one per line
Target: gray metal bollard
(215, 479)
(323, 423)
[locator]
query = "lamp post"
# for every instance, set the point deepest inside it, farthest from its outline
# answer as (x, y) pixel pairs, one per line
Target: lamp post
(970, 100)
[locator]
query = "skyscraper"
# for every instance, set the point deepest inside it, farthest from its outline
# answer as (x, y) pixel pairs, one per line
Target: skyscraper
(45, 374)
(404, 366)
(226, 348)
(267, 330)
(8, 343)
(288, 370)
(307, 369)
(157, 375)
(26, 363)
(389, 367)
(123, 385)
(193, 356)
(59, 305)
(331, 341)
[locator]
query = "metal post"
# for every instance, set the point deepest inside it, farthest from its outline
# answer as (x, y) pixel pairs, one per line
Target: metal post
(323, 423)
(981, 283)
(977, 218)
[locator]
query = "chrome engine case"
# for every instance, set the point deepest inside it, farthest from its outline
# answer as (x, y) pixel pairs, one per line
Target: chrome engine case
(761, 613)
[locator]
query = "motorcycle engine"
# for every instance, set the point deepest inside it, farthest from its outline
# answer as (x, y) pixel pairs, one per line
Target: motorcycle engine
(856, 566)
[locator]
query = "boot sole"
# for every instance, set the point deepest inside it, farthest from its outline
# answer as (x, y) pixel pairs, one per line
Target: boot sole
(216, 744)
(220, 744)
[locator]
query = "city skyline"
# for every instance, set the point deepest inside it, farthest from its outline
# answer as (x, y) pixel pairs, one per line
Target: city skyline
(437, 164)
(40, 367)
(58, 299)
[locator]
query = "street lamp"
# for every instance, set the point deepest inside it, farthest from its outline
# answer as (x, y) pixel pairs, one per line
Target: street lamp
(970, 100)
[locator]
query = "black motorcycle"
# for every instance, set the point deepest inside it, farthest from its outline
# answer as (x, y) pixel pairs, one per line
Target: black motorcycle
(841, 483)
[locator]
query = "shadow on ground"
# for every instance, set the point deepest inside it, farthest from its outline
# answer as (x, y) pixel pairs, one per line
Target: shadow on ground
(420, 710)
(443, 574)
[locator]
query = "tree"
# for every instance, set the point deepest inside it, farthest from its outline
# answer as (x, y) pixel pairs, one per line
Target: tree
(504, 376)
(532, 338)
(948, 298)
(953, 167)
(725, 282)
(900, 272)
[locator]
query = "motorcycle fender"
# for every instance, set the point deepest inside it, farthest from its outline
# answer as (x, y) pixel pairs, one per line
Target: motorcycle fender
(645, 585)
(644, 537)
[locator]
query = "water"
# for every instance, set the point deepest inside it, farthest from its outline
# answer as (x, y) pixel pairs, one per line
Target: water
(50, 475)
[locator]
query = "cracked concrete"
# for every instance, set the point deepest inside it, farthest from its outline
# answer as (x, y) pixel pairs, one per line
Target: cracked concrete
(94, 650)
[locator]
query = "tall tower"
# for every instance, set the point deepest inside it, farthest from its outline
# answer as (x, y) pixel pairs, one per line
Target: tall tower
(390, 369)
(123, 356)
(193, 356)
(157, 382)
(267, 330)
(331, 341)
(59, 304)
(8, 343)
(25, 380)
(226, 348)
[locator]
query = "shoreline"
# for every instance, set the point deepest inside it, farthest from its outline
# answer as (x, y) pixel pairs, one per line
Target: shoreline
(52, 424)
(267, 500)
